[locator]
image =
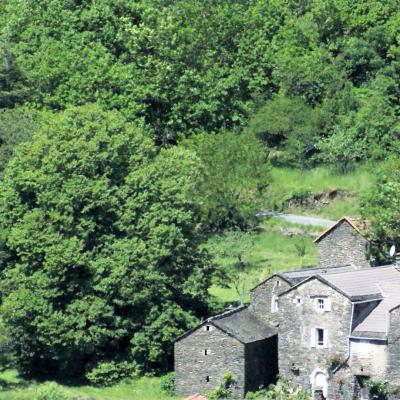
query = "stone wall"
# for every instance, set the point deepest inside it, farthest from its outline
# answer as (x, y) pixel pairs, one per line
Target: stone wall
(192, 367)
(261, 363)
(261, 298)
(341, 246)
(393, 374)
(297, 358)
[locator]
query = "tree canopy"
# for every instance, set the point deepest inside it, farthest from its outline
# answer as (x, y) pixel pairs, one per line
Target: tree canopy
(101, 236)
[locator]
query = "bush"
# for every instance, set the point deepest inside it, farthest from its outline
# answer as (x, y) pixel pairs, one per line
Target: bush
(284, 389)
(51, 391)
(168, 383)
(109, 373)
(236, 176)
(224, 391)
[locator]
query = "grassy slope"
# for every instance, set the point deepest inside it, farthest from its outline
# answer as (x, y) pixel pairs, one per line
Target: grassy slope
(272, 252)
(287, 181)
(143, 389)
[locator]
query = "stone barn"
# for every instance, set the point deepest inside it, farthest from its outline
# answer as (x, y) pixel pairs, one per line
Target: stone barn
(342, 244)
(235, 341)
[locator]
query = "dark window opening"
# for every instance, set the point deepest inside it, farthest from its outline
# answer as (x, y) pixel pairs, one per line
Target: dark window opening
(208, 327)
(320, 337)
(207, 378)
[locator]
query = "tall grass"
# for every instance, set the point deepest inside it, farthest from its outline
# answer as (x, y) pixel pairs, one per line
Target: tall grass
(145, 388)
(287, 182)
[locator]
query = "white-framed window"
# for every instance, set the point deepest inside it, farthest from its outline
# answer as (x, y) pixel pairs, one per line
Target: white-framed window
(319, 338)
(206, 352)
(208, 328)
(274, 304)
(278, 283)
(298, 300)
(322, 304)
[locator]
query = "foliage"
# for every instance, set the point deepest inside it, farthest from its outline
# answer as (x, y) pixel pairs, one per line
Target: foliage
(168, 383)
(16, 126)
(311, 69)
(224, 390)
(182, 66)
(290, 127)
(378, 389)
(380, 206)
(283, 390)
(51, 391)
(231, 252)
(109, 373)
(342, 149)
(301, 250)
(236, 176)
(101, 236)
(13, 83)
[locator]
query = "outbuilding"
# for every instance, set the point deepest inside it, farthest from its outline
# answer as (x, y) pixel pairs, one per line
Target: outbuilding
(236, 341)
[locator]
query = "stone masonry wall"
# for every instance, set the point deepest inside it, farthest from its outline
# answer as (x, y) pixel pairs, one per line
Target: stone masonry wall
(192, 366)
(342, 246)
(261, 298)
(297, 358)
(393, 370)
(261, 363)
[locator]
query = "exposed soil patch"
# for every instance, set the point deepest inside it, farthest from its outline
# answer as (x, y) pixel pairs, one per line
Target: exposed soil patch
(317, 200)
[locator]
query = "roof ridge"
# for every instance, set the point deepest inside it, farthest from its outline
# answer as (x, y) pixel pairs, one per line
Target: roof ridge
(227, 313)
(350, 220)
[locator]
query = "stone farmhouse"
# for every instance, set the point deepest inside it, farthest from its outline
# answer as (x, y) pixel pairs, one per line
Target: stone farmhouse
(327, 328)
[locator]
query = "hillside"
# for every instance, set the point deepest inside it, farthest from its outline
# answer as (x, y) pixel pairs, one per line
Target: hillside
(139, 140)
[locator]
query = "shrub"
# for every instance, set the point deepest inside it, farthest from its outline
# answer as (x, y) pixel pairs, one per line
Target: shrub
(51, 391)
(284, 389)
(168, 383)
(224, 390)
(109, 373)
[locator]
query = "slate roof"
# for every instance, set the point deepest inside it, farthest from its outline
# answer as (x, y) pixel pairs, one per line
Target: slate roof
(376, 322)
(243, 325)
(364, 282)
(295, 277)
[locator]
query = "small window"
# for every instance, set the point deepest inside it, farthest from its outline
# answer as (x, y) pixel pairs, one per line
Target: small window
(298, 300)
(207, 378)
(321, 304)
(208, 328)
(320, 337)
(206, 352)
(278, 283)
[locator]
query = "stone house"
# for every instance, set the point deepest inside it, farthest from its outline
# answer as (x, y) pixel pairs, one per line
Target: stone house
(235, 341)
(336, 325)
(342, 244)
(337, 330)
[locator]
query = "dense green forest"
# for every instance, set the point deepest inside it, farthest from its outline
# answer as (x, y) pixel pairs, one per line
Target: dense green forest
(132, 131)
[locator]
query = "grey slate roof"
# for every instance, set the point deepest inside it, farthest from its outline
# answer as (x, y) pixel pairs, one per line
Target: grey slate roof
(376, 322)
(364, 282)
(297, 276)
(242, 324)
